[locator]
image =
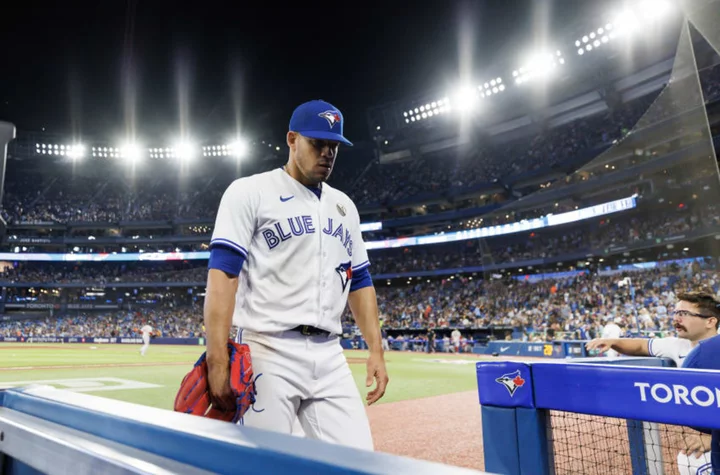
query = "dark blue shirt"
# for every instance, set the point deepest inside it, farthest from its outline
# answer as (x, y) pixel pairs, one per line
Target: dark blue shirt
(706, 355)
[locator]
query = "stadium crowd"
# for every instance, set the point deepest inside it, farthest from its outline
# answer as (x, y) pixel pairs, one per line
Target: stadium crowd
(182, 322)
(579, 305)
(94, 274)
(599, 234)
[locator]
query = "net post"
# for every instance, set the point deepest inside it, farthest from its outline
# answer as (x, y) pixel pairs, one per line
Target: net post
(502, 453)
(636, 441)
(534, 434)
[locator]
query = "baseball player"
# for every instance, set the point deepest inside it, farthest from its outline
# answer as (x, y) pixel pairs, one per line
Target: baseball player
(286, 256)
(695, 318)
(146, 330)
(456, 340)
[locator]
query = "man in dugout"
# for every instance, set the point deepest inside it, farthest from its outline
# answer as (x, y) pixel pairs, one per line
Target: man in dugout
(696, 317)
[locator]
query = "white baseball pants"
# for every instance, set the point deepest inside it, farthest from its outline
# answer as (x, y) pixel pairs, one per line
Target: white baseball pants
(305, 378)
(146, 344)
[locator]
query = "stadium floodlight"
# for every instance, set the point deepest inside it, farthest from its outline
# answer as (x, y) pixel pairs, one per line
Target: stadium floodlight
(465, 99)
(238, 148)
(541, 65)
(104, 152)
(626, 23)
(427, 110)
(131, 152)
(183, 150)
(494, 86)
(76, 151)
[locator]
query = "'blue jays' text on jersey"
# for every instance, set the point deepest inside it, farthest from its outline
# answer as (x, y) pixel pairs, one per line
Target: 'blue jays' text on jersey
(300, 250)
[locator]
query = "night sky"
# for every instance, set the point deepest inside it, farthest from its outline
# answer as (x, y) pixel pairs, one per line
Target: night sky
(73, 67)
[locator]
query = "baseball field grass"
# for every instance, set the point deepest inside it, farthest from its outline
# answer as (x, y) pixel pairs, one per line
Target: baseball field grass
(120, 372)
(419, 385)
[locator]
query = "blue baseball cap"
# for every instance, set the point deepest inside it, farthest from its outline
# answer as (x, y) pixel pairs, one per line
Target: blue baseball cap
(319, 120)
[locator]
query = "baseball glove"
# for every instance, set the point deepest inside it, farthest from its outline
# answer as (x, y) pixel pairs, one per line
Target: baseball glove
(194, 398)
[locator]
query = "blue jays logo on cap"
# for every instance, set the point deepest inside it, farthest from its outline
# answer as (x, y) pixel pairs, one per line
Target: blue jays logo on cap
(319, 120)
(333, 117)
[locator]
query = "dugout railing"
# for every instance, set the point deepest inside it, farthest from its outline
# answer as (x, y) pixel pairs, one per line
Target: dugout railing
(53, 431)
(594, 415)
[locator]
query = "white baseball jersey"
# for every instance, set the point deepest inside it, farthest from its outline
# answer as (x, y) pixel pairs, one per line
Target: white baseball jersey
(671, 347)
(300, 251)
(146, 330)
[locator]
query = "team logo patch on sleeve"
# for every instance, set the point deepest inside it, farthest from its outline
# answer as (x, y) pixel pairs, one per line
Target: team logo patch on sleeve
(344, 270)
(511, 381)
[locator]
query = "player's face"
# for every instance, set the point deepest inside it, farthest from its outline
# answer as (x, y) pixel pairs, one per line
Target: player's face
(689, 326)
(314, 158)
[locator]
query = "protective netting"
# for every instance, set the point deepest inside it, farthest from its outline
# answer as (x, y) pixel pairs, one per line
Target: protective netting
(676, 449)
(584, 444)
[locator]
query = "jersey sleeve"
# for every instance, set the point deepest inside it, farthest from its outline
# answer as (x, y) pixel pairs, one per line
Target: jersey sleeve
(360, 258)
(236, 217)
(663, 347)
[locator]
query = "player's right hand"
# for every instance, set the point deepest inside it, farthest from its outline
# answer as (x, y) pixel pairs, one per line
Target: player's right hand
(221, 395)
(697, 444)
(600, 344)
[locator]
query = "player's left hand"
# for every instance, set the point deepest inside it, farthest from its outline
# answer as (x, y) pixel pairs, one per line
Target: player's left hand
(376, 370)
(697, 444)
